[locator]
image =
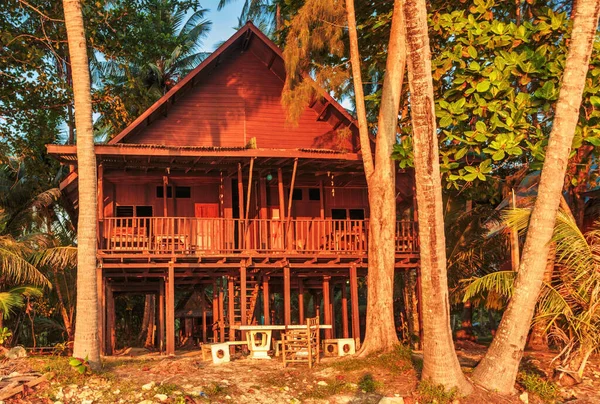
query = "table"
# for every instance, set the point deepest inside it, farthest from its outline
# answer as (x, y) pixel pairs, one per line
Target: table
(259, 336)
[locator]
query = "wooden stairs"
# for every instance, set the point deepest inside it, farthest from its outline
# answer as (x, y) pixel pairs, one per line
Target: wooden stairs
(247, 303)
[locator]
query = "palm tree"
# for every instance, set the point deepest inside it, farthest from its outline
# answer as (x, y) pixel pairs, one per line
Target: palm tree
(498, 369)
(138, 84)
(569, 305)
(86, 329)
(440, 363)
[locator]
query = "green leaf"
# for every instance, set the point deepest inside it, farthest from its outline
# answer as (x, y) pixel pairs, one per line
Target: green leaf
(499, 155)
(483, 86)
(481, 126)
(472, 51)
(470, 177)
(460, 153)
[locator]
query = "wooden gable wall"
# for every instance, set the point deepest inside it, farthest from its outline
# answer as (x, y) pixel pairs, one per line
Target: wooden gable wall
(238, 100)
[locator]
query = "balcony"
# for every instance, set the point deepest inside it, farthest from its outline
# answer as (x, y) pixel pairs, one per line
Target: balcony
(219, 236)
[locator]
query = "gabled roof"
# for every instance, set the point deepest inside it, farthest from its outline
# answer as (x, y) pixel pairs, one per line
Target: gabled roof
(325, 106)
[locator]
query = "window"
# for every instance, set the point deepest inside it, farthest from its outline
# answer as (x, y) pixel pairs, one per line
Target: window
(314, 194)
(124, 211)
(183, 192)
(180, 192)
(143, 211)
(338, 214)
(160, 192)
(297, 195)
(357, 214)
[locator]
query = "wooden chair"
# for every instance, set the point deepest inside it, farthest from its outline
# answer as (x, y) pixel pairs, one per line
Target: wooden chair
(301, 345)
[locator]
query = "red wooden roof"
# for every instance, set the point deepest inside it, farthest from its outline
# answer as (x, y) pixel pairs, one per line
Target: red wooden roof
(233, 96)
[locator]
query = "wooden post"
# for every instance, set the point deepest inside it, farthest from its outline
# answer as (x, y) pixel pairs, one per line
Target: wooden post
(332, 308)
(289, 232)
(165, 206)
(243, 297)
(266, 298)
(344, 310)
(281, 207)
(287, 310)
(203, 308)
(241, 190)
(354, 302)
(161, 314)
(110, 323)
(326, 305)
(301, 318)
(171, 310)
(249, 189)
(215, 310)
(100, 192)
(322, 199)
(263, 213)
(230, 306)
(101, 325)
(222, 314)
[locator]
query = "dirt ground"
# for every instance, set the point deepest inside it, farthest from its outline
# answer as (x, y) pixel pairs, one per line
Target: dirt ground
(144, 378)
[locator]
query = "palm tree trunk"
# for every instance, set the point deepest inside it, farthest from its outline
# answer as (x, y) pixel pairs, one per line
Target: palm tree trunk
(380, 332)
(440, 363)
(86, 326)
(498, 369)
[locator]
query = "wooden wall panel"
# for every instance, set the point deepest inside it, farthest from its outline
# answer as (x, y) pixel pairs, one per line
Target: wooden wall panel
(240, 100)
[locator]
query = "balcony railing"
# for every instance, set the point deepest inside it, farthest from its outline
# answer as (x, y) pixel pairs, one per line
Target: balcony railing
(171, 235)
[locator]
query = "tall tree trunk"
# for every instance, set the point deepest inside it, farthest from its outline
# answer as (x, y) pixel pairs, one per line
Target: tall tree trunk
(440, 363)
(149, 343)
(380, 334)
(498, 369)
(86, 326)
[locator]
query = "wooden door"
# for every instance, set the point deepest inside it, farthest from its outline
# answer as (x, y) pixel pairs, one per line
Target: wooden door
(208, 228)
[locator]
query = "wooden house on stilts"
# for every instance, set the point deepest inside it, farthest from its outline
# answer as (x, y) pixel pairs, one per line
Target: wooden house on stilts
(212, 191)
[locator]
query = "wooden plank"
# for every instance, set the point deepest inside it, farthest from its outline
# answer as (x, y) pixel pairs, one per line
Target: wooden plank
(7, 393)
(100, 192)
(287, 309)
(301, 318)
(161, 314)
(171, 311)
(221, 314)
(240, 190)
(332, 308)
(101, 309)
(354, 303)
(215, 310)
(243, 292)
(327, 305)
(266, 300)
(111, 321)
(322, 201)
(230, 306)
(344, 310)
(165, 206)
(203, 309)
(249, 188)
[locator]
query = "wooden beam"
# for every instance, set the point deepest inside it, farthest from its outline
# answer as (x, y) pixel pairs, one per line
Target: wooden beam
(287, 311)
(281, 195)
(332, 308)
(326, 305)
(165, 208)
(203, 309)
(215, 309)
(344, 310)
(266, 297)
(222, 314)
(243, 293)
(100, 192)
(354, 302)
(111, 320)
(240, 191)
(249, 189)
(301, 318)
(291, 194)
(161, 314)
(101, 309)
(171, 311)
(322, 199)
(230, 307)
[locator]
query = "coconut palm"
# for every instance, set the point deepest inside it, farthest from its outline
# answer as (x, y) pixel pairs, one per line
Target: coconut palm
(569, 305)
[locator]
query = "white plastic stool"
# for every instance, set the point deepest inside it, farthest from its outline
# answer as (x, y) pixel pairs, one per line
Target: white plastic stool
(339, 347)
(220, 353)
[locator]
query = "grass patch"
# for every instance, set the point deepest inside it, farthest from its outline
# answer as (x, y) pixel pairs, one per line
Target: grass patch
(333, 387)
(214, 390)
(436, 393)
(396, 361)
(167, 388)
(59, 365)
(368, 384)
(536, 384)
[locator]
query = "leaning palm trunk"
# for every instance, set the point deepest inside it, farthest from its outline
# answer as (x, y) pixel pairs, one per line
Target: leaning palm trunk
(498, 369)
(86, 326)
(380, 332)
(440, 363)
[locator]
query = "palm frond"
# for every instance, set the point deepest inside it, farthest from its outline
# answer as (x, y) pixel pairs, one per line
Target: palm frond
(57, 257)
(500, 282)
(9, 302)
(15, 268)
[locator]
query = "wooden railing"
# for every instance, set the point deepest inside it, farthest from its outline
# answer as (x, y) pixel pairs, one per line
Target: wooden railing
(165, 235)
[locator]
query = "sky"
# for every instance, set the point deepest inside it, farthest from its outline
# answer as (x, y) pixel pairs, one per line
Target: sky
(223, 22)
